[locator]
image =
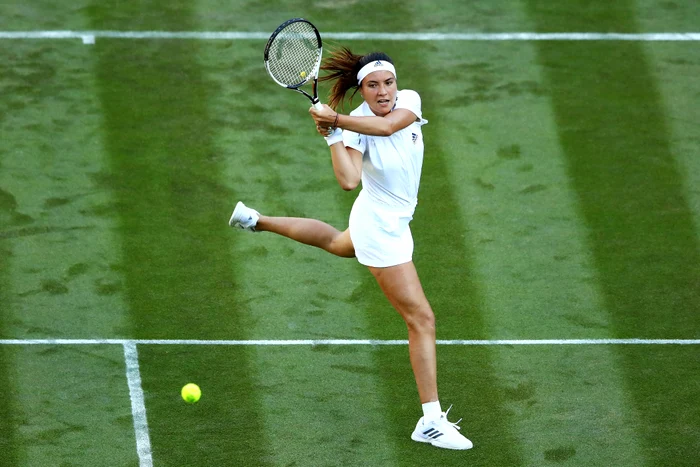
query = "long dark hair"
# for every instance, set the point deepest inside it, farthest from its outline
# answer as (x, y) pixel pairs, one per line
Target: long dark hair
(343, 66)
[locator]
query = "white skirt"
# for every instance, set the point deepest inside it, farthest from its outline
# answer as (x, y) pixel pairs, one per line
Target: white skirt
(380, 234)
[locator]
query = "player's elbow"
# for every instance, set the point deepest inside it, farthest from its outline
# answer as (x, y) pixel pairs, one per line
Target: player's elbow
(387, 130)
(348, 185)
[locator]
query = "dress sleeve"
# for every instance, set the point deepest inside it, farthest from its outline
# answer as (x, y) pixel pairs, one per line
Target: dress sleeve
(410, 100)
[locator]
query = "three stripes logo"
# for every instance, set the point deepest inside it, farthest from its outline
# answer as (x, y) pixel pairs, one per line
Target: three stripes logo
(432, 433)
(378, 63)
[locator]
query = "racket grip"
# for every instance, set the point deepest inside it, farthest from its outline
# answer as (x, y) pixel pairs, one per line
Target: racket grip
(318, 106)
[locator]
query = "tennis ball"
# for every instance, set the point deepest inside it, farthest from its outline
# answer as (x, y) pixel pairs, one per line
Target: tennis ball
(302, 74)
(191, 393)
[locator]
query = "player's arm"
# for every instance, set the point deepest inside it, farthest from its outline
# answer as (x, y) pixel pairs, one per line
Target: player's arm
(347, 165)
(371, 126)
(377, 126)
(347, 162)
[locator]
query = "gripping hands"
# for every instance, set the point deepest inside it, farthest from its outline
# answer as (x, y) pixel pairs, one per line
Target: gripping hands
(326, 123)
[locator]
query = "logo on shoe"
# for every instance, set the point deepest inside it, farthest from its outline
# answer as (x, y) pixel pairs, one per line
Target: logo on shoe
(432, 433)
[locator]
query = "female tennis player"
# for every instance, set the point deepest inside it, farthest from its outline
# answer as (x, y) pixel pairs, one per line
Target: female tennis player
(380, 144)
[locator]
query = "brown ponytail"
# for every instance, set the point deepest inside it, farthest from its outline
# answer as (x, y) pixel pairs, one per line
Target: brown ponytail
(343, 66)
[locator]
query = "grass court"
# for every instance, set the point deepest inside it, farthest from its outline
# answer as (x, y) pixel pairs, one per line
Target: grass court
(560, 200)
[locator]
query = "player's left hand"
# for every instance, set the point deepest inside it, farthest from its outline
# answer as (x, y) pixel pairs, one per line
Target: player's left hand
(324, 117)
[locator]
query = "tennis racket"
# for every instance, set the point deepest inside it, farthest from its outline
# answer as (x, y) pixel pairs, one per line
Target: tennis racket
(293, 56)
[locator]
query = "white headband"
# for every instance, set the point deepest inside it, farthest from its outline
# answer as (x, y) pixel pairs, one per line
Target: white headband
(379, 65)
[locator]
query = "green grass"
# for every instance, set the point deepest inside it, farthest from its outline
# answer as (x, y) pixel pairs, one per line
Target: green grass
(559, 199)
(631, 196)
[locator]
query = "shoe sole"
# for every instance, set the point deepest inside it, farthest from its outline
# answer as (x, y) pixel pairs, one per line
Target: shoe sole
(437, 444)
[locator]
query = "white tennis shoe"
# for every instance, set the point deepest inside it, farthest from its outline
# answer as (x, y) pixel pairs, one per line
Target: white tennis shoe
(441, 433)
(244, 217)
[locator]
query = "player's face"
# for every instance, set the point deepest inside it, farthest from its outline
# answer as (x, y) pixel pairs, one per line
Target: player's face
(379, 91)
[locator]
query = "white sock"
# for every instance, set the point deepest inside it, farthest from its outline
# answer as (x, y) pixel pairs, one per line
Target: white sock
(431, 411)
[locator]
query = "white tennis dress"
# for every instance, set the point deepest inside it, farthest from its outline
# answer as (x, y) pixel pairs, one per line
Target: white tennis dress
(391, 169)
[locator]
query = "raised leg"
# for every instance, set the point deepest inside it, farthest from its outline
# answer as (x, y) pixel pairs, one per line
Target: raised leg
(310, 232)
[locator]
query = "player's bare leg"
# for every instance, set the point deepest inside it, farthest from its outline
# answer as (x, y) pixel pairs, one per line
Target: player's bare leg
(403, 289)
(310, 232)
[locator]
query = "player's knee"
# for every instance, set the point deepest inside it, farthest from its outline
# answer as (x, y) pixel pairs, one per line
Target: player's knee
(340, 246)
(420, 318)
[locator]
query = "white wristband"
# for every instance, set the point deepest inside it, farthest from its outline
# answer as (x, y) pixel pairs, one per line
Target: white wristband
(334, 137)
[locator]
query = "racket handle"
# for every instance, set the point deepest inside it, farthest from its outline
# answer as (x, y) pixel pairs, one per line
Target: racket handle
(318, 106)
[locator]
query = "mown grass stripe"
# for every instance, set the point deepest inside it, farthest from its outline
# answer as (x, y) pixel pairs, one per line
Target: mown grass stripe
(613, 131)
(172, 211)
(8, 419)
(446, 263)
(14, 91)
(55, 247)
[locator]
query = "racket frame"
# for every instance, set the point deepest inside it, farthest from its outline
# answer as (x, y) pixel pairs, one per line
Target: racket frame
(314, 73)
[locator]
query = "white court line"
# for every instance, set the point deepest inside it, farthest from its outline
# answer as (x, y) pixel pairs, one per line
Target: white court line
(88, 37)
(138, 405)
(313, 342)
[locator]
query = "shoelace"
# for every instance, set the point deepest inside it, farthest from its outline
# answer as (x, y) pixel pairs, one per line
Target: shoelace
(449, 422)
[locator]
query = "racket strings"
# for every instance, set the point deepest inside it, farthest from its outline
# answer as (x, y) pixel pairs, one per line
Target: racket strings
(294, 54)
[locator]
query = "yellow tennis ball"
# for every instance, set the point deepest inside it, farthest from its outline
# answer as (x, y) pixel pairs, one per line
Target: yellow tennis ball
(302, 74)
(191, 393)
